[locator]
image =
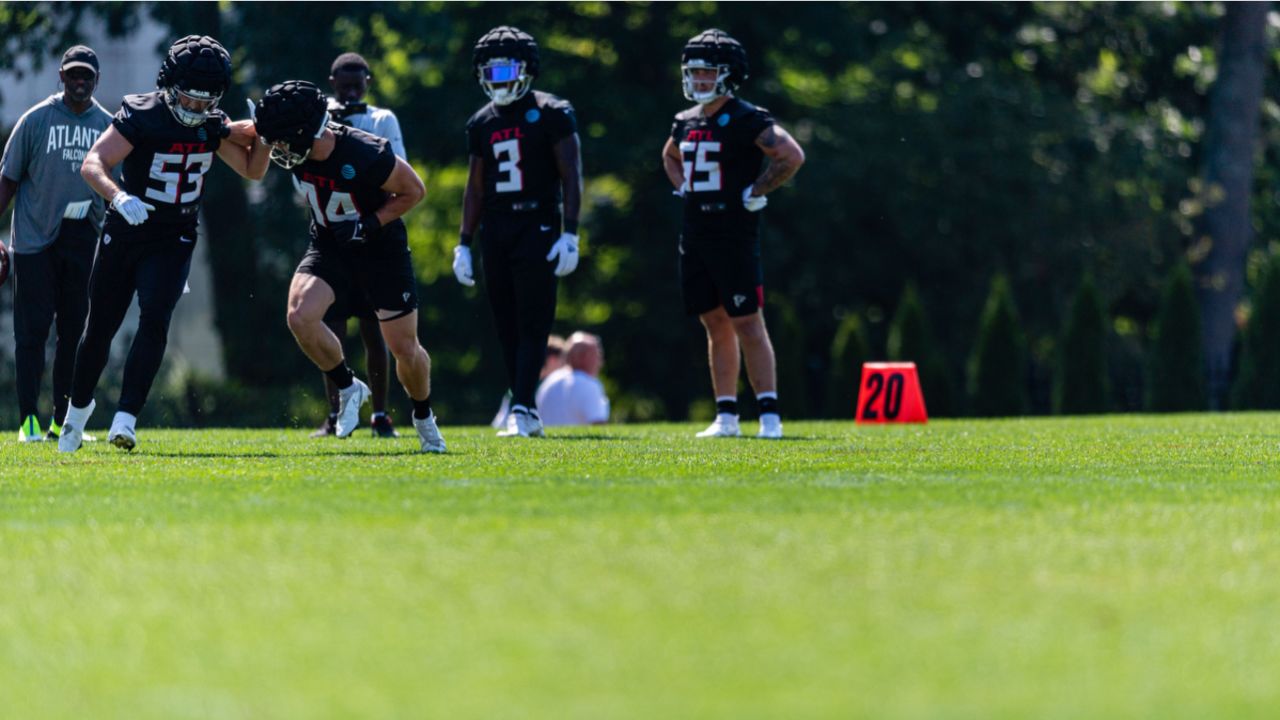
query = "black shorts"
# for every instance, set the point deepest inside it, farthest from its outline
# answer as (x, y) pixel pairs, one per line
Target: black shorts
(721, 271)
(349, 304)
(377, 274)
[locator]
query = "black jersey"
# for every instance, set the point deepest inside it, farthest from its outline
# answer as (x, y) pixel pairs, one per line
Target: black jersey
(348, 183)
(517, 144)
(721, 159)
(168, 162)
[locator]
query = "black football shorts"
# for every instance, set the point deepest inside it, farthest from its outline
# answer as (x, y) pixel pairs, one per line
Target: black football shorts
(377, 274)
(721, 271)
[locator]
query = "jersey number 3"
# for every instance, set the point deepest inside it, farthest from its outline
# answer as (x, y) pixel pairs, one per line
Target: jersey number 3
(182, 175)
(514, 180)
(700, 163)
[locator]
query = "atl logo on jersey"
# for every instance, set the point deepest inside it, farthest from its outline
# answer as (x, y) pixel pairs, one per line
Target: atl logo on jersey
(506, 134)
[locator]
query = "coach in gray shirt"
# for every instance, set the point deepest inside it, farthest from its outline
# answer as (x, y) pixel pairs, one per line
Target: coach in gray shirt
(56, 219)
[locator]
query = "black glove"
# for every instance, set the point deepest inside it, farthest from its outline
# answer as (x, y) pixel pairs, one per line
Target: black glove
(218, 125)
(357, 231)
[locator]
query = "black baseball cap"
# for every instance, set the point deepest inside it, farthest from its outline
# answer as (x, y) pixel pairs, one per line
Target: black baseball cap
(349, 61)
(80, 56)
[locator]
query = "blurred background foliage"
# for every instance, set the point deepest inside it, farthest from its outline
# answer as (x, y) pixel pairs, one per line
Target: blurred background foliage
(952, 148)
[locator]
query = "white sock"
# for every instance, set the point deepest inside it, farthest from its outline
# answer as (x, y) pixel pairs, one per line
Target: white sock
(519, 409)
(125, 419)
(77, 417)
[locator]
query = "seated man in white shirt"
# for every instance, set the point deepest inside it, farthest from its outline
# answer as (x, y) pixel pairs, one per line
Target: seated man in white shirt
(573, 395)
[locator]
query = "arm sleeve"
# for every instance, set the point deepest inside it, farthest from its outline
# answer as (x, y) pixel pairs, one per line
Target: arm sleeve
(16, 152)
(382, 164)
(563, 122)
(391, 131)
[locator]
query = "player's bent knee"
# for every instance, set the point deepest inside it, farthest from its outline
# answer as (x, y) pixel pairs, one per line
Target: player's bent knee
(404, 349)
(299, 320)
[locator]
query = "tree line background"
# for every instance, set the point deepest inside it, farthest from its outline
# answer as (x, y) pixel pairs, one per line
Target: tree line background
(1047, 206)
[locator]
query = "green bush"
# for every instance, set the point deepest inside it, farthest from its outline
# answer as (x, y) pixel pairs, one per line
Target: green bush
(848, 351)
(998, 367)
(1258, 384)
(1080, 383)
(911, 339)
(1176, 373)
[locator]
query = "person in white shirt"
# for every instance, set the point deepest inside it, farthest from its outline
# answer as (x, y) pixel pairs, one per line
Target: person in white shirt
(574, 395)
(349, 77)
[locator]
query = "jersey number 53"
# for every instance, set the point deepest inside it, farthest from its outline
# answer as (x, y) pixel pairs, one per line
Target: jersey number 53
(182, 175)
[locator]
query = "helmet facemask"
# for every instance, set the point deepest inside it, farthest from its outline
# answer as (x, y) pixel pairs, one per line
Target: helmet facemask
(191, 107)
(289, 154)
(504, 80)
(720, 88)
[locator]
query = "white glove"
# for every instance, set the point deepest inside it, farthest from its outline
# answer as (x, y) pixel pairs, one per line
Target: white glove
(754, 203)
(462, 265)
(678, 192)
(133, 210)
(567, 248)
(253, 109)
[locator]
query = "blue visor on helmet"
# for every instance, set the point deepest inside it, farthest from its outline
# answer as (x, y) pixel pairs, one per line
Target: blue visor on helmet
(502, 71)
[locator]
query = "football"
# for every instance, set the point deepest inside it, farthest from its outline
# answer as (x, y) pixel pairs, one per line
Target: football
(4, 264)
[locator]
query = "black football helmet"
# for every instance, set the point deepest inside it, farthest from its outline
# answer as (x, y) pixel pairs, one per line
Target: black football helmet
(506, 62)
(194, 75)
(289, 118)
(713, 49)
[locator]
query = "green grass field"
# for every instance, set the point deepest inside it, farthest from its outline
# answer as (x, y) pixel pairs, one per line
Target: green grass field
(1111, 567)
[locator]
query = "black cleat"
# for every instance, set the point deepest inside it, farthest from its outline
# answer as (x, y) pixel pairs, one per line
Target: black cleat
(382, 427)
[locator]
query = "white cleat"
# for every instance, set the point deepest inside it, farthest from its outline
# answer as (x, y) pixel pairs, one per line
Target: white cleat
(429, 435)
(122, 433)
(770, 427)
(725, 425)
(72, 435)
(521, 424)
(349, 402)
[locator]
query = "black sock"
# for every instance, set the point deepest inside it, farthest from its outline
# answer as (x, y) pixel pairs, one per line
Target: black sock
(727, 407)
(768, 405)
(333, 418)
(341, 375)
(422, 409)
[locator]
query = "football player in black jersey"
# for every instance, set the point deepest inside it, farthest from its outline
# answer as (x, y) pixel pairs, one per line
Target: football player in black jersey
(715, 159)
(524, 152)
(357, 190)
(166, 141)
